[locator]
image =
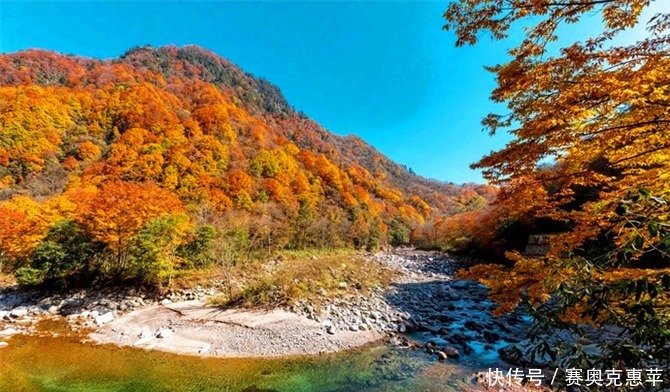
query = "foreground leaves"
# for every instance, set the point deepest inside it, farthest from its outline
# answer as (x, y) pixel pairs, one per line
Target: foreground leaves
(599, 113)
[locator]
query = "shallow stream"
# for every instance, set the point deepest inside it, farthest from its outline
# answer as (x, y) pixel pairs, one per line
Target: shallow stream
(32, 363)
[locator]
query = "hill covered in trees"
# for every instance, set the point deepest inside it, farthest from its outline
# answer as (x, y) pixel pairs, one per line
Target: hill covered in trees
(173, 157)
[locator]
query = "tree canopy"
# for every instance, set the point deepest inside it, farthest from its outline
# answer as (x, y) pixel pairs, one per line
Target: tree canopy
(598, 112)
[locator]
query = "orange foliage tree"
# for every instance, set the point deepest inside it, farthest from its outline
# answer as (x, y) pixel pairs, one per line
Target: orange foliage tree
(119, 210)
(601, 112)
(12, 231)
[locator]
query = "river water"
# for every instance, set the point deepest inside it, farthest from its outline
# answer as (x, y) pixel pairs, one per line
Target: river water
(63, 363)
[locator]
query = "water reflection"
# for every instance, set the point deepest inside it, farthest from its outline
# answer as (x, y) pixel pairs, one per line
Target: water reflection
(64, 364)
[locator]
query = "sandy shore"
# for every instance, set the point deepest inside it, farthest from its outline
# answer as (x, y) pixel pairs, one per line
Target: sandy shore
(192, 327)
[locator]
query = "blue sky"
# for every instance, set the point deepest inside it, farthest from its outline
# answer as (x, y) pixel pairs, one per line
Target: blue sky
(384, 71)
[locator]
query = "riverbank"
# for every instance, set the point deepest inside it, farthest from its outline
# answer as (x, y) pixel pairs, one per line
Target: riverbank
(193, 327)
(423, 308)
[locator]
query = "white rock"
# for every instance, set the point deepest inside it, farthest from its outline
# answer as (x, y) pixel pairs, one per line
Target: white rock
(166, 301)
(104, 318)
(18, 312)
(3, 344)
(53, 309)
(144, 334)
(4, 314)
(9, 332)
(164, 333)
(25, 322)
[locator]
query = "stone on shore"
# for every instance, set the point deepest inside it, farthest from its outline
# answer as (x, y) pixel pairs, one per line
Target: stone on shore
(164, 333)
(18, 312)
(104, 319)
(9, 332)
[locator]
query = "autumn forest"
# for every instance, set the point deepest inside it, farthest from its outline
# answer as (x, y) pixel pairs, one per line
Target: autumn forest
(131, 168)
(171, 162)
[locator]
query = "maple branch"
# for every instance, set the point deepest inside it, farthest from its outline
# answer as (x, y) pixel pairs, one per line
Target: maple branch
(581, 4)
(658, 103)
(636, 125)
(663, 147)
(550, 4)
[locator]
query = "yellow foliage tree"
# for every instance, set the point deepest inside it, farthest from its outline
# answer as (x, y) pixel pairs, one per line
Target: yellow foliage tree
(601, 111)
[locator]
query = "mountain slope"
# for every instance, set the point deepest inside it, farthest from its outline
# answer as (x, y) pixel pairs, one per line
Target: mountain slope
(223, 142)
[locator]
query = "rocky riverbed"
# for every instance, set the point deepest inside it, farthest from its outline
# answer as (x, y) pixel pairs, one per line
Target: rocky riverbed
(423, 309)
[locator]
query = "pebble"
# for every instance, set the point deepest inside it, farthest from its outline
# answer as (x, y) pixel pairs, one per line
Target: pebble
(104, 318)
(26, 322)
(9, 332)
(18, 312)
(144, 334)
(164, 333)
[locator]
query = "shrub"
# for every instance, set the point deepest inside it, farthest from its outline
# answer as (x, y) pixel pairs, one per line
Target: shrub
(66, 250)
(28, 276)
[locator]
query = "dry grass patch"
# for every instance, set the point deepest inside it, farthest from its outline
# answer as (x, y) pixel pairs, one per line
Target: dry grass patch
(7, 280)
(298, 275)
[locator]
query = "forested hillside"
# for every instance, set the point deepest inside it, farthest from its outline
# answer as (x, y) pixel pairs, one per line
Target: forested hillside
(135, 166)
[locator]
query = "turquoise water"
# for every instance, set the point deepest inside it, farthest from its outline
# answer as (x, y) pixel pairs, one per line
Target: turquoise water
(64, 364)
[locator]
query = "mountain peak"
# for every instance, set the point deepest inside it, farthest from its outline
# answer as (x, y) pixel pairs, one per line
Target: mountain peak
(197, 63)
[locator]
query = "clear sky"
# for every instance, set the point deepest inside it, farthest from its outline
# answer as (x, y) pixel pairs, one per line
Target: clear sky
(384, 71)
